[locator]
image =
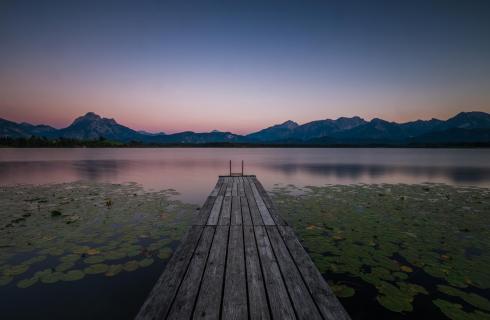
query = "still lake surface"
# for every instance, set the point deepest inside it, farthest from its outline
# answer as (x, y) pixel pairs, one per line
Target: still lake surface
(193, 173)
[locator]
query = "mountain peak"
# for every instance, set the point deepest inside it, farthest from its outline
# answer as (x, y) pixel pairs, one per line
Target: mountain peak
(379, 121)
(289, 124)
(472, 114)
(465, 125)
(350, 118)
(91, 115)
(469, 120)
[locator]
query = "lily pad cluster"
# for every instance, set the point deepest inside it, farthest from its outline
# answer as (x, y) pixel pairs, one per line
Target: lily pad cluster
(389, 236)
(65, 232)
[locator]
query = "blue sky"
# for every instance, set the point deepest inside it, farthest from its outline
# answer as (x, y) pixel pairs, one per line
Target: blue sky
(240, 66)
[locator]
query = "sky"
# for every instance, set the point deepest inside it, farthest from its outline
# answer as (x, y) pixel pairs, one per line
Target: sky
(241, 65)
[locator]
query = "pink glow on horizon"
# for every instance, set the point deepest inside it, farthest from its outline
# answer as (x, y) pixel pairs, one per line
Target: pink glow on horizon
(159, 124)
(201, 105)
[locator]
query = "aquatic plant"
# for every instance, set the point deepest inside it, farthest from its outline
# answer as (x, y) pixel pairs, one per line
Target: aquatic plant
(388, 235)
(63, 232)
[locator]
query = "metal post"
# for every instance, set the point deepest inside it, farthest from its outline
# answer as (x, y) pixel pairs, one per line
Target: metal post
(230, 168)
(242, 167)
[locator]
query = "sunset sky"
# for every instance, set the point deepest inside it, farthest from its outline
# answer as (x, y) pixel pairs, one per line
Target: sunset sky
(241, 66)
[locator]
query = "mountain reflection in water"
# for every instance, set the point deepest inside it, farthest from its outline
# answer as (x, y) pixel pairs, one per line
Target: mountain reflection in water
(193, 171)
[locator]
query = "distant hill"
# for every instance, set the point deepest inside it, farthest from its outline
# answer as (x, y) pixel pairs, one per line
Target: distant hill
(23, 130)
(464, 128)
(276, 132)
(92, 127)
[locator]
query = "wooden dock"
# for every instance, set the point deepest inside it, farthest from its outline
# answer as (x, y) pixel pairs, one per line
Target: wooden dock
(240, 260)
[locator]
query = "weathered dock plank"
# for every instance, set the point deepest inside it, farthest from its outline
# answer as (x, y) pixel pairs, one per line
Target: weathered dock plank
(246, 217)
(186, 296)
(236, 211)
(205, 211)
(252, 205)
(302, 302)
(257, 296)
(241, 191)
(264, 212)
(280, 304)
(235, 294)
(268, 202)
(215, 211)
(240, 260)
(326, 301)
(209, 300)
(225, 216)
(161, 297)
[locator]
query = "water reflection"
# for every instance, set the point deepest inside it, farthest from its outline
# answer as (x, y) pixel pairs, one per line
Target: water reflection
(194, 171)
(457, 175)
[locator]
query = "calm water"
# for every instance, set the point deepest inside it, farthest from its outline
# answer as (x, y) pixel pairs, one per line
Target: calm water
(193, 172)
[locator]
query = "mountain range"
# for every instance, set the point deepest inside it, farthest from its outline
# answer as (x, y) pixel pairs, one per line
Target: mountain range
(465, 127)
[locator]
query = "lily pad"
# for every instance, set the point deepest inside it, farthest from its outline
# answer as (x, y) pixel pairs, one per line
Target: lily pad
(96, 268)
(406, 269)
(165, 253)
(380, 233)
(342, 291)
(131, 265)
(25, 283)
(73, 275)
(455, 311)
(4, 280)
(51, 277)
(92, 251)
(94, 259)
(16, 270)
(471, 298)
(145, 262)
(64, 266)
(70, 258)
(113, 270)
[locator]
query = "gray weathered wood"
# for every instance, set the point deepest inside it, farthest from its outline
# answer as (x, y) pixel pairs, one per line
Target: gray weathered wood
(234, 267)
(216, 189)
(205, 211)
(160, 299)
(268, 202)
(241, 191)
(215, 211)
(234, 190)
(208, 303)
(223, 187)
(235, 294)
(252, 205)
(326, 301)
(236, 211)
(257, 297)
(183, 304)
(229, 187)
(246, 218)
(300, 296)
(225, 216)
(264, 212)
(280, 303)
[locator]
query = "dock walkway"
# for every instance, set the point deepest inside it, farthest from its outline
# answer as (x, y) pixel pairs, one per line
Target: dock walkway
(240, 260)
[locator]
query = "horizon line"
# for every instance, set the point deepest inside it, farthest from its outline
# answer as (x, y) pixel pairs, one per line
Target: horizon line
(243, 134)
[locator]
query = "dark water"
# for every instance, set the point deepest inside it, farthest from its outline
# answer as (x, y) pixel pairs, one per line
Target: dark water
(193, 172)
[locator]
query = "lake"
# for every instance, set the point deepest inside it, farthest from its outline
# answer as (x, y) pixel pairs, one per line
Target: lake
(79, 240)
(193, 172)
